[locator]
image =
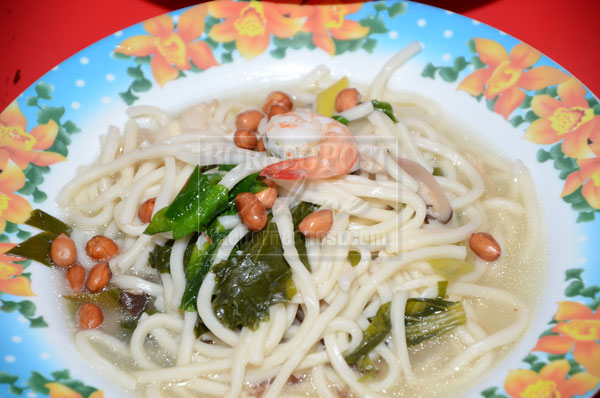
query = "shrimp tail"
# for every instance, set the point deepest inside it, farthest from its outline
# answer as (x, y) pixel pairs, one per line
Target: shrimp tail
(291, 169)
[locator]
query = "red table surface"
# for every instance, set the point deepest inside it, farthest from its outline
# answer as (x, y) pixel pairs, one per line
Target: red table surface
(36, 35)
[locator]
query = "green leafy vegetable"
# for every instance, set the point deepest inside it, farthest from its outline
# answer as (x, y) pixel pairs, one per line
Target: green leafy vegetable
(298, 214)
(227, 167)
(375, 333)
(160, 257)
(340, 119)
(199, 264)
(159, 223)
(107, 299)
(199, 328)
(192, 191)
(44, 221)
(206, 208)
(248, 184)
(194, 207)
(424, 319)
(354, 257)
(367, 368)
(247, 284)
(36, 248)
(386, 108)
(442, 287)
(451, 268)
(427, 318)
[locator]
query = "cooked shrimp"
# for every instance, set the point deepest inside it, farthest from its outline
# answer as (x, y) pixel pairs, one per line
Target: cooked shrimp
(313, 146)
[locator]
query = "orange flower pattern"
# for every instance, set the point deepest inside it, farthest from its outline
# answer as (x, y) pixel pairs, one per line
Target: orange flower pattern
(172, 50)
(11, 280)
(251, 24)
(578, 329)
(328, 22)
(505, 76)
(587, 176)
(569, 119)
(13, 207)
(58, 390)
(22, 147)
(551, 382)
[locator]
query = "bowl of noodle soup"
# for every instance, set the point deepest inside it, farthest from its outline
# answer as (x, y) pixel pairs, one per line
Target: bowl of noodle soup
(395, 298)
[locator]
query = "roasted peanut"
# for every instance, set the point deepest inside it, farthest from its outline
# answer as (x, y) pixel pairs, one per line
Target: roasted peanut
(101, 248)
(75, 275)
(317, 224)
(249, 119)
(346, 99)
(277, 97)
(267, 196)
(260, 145)
(62, 251)
(99, 277)
(89, 316)
(484, 246)
(277, 109)
(251, 211)
(146, 210)
(245, 139)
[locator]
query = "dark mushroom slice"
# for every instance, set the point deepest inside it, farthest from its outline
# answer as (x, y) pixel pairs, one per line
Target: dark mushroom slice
(438, 205)
(133, 302)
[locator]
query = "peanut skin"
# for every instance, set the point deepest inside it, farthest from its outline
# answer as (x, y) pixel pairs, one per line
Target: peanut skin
(277, 97)
(75, 275)
(260, 146)
(89, 316)
(146, 210)
(276, 109)
(485, 246)
(99, 277)
(251, 211)
(317, 224)
(245, 139)
(346, 99)
(267, 197)
(249, 119)
(101, 248)
(62, 251)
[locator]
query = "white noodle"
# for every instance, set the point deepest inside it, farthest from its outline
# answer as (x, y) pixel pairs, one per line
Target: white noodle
(378, 211)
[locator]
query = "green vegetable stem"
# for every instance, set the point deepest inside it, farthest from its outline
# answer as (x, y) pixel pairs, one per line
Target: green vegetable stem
(386, 108)
(424, 319)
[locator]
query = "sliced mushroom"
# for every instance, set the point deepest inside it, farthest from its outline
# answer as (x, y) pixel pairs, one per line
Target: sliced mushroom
(438, 205)
(133, 302)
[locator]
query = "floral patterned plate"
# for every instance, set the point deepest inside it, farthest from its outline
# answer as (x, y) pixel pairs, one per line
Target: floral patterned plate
(519, 99)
